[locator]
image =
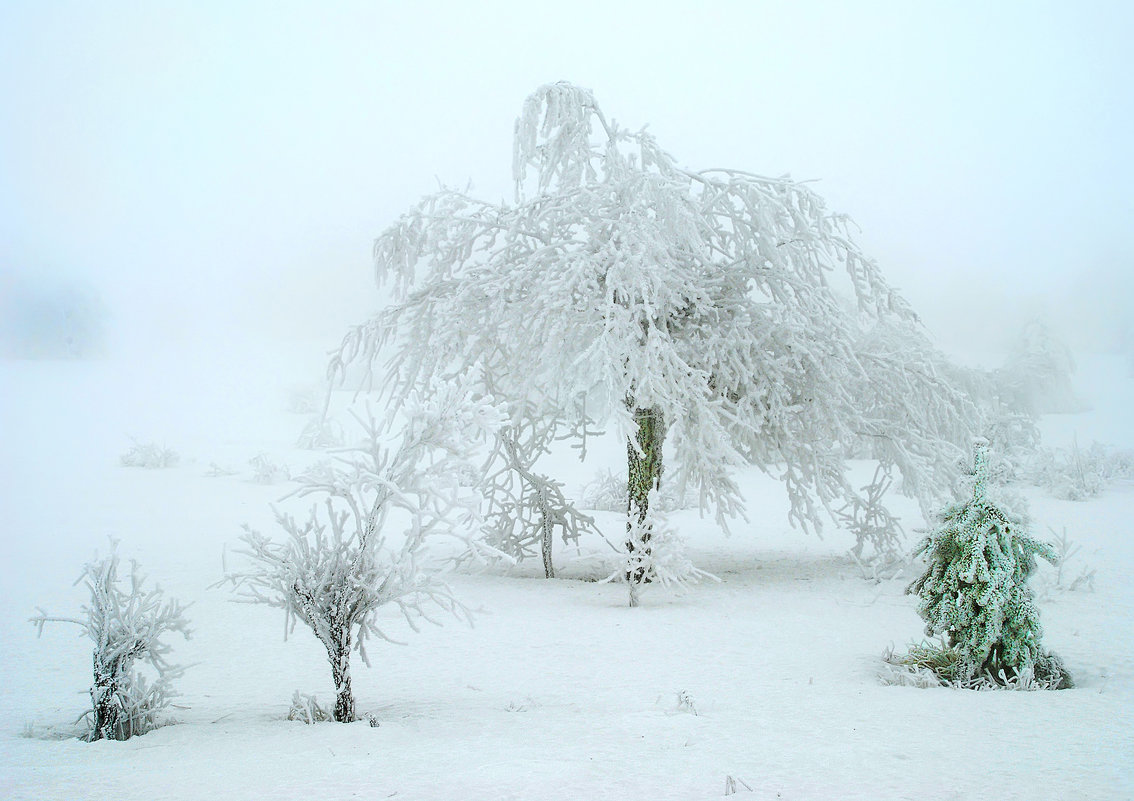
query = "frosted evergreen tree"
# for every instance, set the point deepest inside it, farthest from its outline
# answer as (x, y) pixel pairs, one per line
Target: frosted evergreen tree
(975, 592)
(701, 312)
(126, 621)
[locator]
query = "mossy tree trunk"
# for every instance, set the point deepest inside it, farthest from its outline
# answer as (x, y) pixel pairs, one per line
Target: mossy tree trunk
(644, 462)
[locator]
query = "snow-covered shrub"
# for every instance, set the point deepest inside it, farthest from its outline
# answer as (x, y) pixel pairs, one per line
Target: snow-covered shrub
(1014, 440)
(1066, 578)
(306, 709)
(867, 517)
(926, 665)
(268, 470)
(974, 590)
(334, 570)
(915, 668)
(686, 704)
(126, 624)
(149, 455)
(881, 566)
(1076, 474)
(606, 492)
(320, 434)
(734, 784)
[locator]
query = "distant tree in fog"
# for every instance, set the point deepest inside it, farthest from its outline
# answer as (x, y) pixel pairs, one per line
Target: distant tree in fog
(42, 317)
(1036, 377)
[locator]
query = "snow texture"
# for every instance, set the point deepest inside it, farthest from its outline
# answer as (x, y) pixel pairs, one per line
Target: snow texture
(559, 692)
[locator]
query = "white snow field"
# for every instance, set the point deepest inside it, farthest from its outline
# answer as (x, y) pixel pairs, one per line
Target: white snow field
(765, 683)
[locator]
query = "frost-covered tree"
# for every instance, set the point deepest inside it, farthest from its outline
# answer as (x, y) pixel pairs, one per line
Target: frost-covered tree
(1036, 376)
(335, 570)
(45, 316)
(974, 590)
(126, 622)
(702, 312)
(526, 508)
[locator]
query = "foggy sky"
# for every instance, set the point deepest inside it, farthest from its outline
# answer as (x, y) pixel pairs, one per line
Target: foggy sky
(210, 168)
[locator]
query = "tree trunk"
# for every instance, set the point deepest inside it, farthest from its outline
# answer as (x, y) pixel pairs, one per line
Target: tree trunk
(339, 657)
(546, 530)
(644, 464)
(104, 702)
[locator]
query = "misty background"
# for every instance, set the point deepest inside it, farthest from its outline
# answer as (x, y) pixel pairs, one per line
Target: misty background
(180, 178)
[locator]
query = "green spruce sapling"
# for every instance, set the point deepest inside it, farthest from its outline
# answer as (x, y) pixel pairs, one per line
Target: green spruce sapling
(975, 594)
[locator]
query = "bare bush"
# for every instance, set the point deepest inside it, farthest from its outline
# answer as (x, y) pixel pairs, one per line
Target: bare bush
(1076, 474)
(268, 470)
(149, 455)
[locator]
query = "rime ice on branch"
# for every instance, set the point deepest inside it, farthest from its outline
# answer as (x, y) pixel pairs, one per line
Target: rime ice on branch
(701, 311)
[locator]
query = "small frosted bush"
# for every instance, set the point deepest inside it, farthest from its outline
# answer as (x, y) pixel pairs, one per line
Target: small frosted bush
(150, 456)
(308, 710)
(655, 553)
(606, 492)
(1078, 474)
(126, 623)
(266, 470)
(320, 434)
(334, 570)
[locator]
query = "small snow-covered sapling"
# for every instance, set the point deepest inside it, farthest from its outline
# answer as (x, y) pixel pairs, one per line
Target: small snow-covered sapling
(334, 571)
(975, 593)
(126, 624)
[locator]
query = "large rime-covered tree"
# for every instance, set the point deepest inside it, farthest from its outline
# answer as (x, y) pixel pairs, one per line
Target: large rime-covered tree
(705, 312)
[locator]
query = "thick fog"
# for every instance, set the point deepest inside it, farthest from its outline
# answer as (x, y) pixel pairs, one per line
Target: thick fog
(204, 171)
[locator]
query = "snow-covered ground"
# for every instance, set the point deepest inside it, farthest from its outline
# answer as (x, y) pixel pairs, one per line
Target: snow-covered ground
(768, 678)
